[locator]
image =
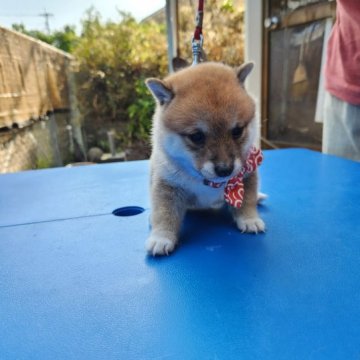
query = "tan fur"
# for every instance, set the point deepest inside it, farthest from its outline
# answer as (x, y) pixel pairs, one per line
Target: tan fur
(211, 99)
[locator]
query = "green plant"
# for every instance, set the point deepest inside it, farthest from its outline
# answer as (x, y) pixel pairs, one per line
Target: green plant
(113, 59)
(140, 112)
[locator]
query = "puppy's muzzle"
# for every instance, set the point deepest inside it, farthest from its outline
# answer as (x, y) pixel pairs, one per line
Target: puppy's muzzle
(222, 170)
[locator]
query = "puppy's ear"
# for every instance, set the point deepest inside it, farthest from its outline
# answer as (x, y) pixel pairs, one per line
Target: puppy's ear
(179, 63)
(243, 71)
(159, 90)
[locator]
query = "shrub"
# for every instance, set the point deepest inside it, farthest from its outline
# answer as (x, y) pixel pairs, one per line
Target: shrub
(113, 61)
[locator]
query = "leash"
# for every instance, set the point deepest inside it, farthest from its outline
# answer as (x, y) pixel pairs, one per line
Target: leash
(198, 39)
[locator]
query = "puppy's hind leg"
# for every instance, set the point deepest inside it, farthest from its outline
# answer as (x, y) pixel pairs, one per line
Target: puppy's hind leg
(247, 218)
(168, 210)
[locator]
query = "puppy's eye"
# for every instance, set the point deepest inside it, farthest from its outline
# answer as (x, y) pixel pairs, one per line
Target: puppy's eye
(197, 137)
(236, 132)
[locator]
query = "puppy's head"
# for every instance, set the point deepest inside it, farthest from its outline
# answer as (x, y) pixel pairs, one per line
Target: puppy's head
(205, 120)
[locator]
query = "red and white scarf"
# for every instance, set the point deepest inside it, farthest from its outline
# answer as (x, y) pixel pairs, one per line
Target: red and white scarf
(234, 188)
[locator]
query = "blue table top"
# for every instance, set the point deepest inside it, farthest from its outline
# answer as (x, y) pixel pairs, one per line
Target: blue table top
(75, 281)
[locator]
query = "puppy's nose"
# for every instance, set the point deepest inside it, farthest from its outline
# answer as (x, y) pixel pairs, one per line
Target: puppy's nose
(223, 170)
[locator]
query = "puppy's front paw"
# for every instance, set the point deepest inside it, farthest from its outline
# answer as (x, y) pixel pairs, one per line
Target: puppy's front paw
(159, 245)
(250, 225)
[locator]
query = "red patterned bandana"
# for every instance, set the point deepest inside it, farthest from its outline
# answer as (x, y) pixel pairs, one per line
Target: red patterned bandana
(234, 189)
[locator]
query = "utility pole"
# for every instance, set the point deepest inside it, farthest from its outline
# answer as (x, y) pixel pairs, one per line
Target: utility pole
(46, 15)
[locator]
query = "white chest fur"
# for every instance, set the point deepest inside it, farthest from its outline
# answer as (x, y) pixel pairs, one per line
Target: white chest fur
(202, 196)
(207, 196)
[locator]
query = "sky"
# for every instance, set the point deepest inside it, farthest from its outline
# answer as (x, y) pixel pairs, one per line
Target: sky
(69, 11)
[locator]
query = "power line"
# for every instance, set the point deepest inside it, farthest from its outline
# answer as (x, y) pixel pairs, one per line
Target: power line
(17, 15)
(46, 15)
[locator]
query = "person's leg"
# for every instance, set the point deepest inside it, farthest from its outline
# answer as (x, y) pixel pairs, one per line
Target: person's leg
(341, 130)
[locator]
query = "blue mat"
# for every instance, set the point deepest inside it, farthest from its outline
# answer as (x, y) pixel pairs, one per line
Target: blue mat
(75, 281)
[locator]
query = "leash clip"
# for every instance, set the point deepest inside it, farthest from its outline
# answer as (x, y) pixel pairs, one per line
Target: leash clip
(197, 50)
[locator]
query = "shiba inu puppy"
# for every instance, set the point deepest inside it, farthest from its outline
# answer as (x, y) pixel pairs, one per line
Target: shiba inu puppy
(203, 137)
